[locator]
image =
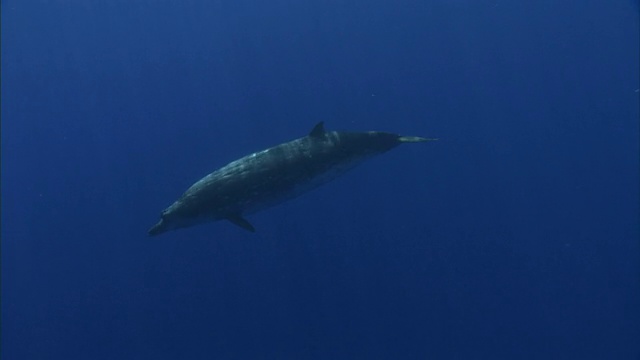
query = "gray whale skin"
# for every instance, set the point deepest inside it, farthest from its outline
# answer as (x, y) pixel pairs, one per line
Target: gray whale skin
(272, 176)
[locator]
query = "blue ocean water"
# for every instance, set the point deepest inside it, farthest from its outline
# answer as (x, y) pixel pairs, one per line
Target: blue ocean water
(515, 236)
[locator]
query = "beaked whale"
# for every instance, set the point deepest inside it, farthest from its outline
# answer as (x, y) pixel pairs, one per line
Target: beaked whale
(274, 175)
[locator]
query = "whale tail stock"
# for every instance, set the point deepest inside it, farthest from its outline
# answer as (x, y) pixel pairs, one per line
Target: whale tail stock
(412, 139)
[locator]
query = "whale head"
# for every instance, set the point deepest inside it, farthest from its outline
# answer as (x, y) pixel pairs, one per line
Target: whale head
(175, 217)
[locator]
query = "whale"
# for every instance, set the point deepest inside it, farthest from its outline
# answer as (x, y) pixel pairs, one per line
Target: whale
(272, 176)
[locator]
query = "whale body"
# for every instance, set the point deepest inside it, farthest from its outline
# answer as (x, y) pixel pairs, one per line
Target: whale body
(272, 176)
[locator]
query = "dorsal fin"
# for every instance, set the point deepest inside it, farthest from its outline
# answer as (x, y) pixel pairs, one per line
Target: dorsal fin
(318, 130)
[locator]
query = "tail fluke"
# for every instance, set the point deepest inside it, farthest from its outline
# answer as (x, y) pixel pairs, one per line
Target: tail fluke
(410, 139)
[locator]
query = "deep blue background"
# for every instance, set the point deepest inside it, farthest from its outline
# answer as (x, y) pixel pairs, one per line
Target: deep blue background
(514, 237)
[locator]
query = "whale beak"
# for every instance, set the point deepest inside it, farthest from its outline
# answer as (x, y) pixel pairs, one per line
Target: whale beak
(158, 228)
